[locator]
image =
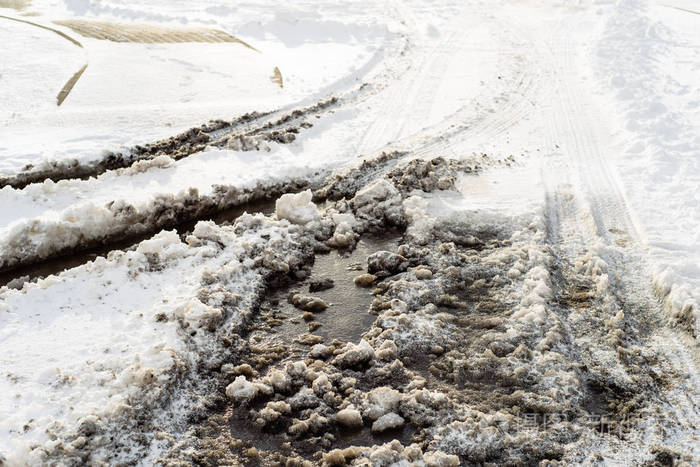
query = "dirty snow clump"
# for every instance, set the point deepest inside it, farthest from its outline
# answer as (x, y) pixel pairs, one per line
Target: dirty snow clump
(241, 390)
(378, 203)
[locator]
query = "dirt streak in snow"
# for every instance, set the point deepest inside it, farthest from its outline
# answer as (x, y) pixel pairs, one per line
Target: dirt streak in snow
(247, 132)
(31, 23)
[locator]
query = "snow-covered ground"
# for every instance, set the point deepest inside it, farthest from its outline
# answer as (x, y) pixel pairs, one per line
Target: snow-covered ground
(134, 93)
(572, 126)
(648, 66)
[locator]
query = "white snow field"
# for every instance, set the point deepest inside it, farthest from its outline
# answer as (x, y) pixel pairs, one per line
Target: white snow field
(132, 93)
(572, 126)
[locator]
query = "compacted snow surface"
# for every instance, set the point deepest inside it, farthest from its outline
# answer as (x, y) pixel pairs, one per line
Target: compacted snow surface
(539, 162)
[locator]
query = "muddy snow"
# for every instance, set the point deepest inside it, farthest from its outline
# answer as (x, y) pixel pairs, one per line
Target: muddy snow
(364, 234)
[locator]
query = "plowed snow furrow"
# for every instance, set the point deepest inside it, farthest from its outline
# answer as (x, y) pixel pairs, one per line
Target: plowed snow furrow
(263, 126)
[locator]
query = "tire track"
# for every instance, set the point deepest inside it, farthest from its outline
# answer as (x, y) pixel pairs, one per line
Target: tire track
(608, 205)
(593, 231)
(396, 104)
(509, 111)
(17, 277)
(434, 138)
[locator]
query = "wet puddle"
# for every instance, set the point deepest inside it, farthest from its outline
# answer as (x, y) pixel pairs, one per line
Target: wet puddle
(272, 440)
(346, 317)
(365, 436)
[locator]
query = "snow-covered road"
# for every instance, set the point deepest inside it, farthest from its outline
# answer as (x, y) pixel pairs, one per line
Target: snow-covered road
(568, 187)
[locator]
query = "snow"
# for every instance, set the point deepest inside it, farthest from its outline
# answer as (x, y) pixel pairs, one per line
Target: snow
(349, 417)
(354, 355)
(647, 67)
(377, 201)
(383, 401)
(241, 390)
(46, 218)
(134, 93)
(297, 208)
(121, 340)
(388, 421)
(587, 112)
